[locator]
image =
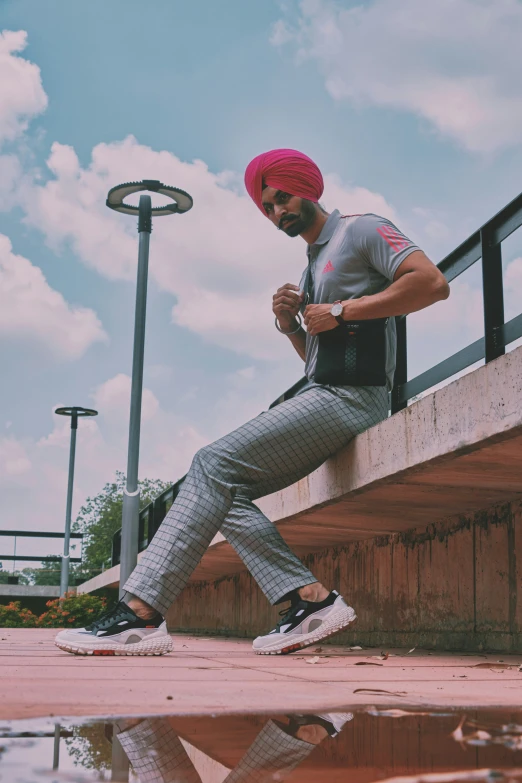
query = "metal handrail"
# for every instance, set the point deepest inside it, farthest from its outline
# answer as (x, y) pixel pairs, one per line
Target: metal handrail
(150, 518)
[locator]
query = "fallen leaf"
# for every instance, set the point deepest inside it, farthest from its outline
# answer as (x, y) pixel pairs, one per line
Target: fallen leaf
(480, 735)
(169, 698)
(458, 734)
(318, 649)
(367, 663)
(476, 737)
(493, 665)
(379, 690)
(385, 656)
(394, 713)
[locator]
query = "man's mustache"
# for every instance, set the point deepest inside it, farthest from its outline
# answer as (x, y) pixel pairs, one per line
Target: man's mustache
(286, 219)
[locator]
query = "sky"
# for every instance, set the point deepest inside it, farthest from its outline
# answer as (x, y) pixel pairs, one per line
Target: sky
(412, 110)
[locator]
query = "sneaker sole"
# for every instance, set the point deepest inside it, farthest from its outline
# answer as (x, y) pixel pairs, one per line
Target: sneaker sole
(339, 620)
(158, 646)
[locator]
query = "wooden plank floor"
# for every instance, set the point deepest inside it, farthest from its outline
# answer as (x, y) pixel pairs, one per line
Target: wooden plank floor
(222, 676)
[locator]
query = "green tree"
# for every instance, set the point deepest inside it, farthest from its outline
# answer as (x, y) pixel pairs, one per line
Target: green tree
(47, 574)
(100, 518)
(23, 580)
(90, 746)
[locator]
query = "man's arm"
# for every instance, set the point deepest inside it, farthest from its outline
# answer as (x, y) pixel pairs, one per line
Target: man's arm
(285, 306)
(417, 284)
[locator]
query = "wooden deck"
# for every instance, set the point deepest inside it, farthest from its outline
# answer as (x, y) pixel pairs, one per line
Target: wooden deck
(207, 676)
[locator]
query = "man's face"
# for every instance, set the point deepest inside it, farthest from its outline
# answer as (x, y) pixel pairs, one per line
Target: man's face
(291, 214)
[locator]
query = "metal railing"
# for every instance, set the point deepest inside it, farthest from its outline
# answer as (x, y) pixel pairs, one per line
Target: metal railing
(484, 244)
(150, 518)
(16, 534)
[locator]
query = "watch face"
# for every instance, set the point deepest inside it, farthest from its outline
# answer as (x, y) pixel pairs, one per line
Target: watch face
(337, 309)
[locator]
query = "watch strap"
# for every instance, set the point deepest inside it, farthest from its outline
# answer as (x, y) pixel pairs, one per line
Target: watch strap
(339, 318)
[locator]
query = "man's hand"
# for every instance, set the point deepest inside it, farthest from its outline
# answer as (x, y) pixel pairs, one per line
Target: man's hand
(285, 305)
(317, 318)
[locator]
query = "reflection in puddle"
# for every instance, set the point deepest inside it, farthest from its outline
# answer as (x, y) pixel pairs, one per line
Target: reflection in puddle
(374, 745)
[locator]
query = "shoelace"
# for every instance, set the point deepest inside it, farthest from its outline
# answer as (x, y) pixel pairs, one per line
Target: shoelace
(108, 618)
(288, 613)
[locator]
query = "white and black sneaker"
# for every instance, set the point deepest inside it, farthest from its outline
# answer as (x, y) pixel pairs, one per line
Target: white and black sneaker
(333, 722)
(305, 623)
(118, 632)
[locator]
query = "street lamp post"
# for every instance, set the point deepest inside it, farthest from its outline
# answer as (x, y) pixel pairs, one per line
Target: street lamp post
(75, 414)
(181, 202)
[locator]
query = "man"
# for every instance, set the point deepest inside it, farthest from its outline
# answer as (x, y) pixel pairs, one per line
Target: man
(362, 267)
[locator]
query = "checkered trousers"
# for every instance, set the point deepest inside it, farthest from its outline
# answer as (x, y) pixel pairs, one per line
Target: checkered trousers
(157, 755)
(276, 449)
(272, 756)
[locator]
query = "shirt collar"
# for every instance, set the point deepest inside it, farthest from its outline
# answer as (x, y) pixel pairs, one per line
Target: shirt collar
(328, 228)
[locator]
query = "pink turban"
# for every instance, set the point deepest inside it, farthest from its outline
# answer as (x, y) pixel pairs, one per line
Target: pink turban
(287, 170)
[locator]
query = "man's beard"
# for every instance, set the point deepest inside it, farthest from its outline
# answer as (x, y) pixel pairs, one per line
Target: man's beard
(295, 223)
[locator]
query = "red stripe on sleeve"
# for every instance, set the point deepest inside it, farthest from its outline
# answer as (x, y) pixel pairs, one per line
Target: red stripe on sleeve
(390, 240)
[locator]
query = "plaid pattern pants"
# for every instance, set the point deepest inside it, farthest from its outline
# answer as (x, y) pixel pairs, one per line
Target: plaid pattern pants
(158, 756)
(272, 451)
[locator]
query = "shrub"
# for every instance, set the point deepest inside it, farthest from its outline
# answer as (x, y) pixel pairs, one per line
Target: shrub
(13, 616)
(74, 611)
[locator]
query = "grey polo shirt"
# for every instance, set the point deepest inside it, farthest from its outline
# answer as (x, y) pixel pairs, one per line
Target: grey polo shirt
(354, 256)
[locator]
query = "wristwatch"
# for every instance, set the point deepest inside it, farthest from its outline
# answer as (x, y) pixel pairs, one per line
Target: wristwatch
(337, 312)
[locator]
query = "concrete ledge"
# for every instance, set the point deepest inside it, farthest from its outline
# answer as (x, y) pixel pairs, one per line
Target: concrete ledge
(453, 585)
(30, 591)
(108, 578)
(482, 408)
(455, 451)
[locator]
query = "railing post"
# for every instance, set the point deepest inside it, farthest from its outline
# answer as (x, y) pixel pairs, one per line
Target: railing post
(493, 296)
(401, 366)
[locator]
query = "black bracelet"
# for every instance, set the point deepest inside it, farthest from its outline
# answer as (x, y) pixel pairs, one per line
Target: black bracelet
(295, 330)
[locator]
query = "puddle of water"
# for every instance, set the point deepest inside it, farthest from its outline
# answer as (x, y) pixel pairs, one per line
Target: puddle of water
(373, 745)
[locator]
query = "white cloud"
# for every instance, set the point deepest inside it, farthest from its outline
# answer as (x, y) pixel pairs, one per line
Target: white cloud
(21, 93)
(454, 63)
(30, 309)
(40, 466)
(168, 442)
(513, 283)
(10, 177)
(113, 398)
(14, 461)
(356, 200)
(222, 261)
(433, 226)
